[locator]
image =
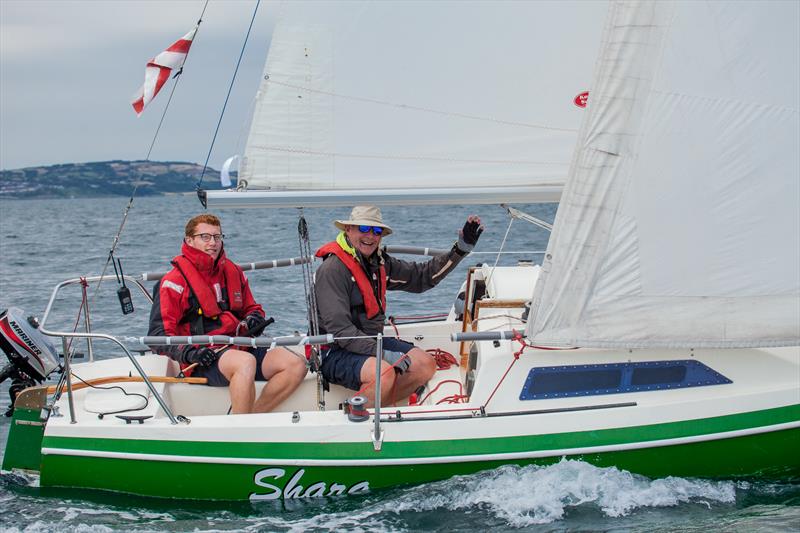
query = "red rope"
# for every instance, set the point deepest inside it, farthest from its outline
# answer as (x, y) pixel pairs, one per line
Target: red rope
(460, 389)
(396, 331)
(501, 380)
(424, 317)
(455, 398)
(84, 285)
(444, 360)
(516, 337)
(535, 347)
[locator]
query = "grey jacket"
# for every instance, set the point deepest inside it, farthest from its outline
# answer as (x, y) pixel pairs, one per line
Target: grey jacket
(341, 306)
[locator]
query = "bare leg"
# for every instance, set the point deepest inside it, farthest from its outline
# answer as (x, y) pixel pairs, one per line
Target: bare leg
(422, 368)
(284, 372)
(239, 368)
(368, 382)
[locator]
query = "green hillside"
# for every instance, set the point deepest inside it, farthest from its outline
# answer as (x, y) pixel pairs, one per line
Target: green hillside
(104, 178)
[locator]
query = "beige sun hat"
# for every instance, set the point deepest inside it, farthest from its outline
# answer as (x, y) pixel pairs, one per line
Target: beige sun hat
(364, 215)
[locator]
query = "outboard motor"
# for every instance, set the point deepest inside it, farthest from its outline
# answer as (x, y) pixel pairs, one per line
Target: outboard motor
(31, 355)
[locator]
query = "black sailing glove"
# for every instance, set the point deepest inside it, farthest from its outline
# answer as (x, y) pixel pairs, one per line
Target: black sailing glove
(203, 355)
(255, 324)
(469, 234)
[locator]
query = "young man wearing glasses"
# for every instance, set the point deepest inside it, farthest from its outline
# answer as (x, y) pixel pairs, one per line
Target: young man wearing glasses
(207, 294)
(350, 288)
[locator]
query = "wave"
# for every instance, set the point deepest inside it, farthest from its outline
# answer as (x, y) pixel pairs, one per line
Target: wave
(568, 495)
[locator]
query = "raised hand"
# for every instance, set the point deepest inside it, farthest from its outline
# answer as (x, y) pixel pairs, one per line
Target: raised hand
(468, 235)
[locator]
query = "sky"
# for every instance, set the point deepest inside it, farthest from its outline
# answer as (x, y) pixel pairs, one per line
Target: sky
(70, 68)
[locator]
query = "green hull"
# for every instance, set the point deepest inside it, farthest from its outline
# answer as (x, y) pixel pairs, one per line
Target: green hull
(771, 455)
(23, 448)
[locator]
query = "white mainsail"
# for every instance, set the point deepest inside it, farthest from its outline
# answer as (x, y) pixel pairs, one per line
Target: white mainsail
(419, 102)
(680, 224)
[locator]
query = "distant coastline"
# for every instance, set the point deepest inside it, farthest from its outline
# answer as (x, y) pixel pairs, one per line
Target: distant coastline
(103, 179)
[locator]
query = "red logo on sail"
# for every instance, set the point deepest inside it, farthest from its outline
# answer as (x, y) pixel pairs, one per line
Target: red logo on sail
(581, 99)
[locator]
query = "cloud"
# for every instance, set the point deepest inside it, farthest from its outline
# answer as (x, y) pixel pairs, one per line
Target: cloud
(68, 70)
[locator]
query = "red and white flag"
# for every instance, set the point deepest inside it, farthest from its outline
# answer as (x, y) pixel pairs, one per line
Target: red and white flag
(158, 70)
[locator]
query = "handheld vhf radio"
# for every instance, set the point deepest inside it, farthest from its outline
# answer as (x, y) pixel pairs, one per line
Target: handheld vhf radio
(123, 293)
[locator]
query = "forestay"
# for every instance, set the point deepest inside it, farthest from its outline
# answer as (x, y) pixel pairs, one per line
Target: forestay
(419, 102)
(679, 226)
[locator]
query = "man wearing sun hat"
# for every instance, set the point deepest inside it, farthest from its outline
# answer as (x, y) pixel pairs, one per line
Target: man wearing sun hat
(350, 288)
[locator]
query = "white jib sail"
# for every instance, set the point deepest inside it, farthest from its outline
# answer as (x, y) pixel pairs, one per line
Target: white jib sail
(225, 173)
(679, 225)
(411, 96)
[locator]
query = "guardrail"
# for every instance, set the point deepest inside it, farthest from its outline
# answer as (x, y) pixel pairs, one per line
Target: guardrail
(152, 341)
(224, 340)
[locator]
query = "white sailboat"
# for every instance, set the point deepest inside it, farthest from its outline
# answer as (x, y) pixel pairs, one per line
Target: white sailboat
(670, 287)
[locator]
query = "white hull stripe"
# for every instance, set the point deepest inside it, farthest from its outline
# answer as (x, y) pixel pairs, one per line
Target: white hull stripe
(421, 460)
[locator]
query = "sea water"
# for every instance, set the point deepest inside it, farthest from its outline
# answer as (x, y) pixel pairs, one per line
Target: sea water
(43, 242)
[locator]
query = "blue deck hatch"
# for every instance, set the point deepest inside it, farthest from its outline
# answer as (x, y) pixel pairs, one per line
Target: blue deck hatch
(616, 378)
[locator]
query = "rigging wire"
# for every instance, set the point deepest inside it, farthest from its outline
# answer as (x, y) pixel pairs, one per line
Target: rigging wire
(227, 97)
(516, 213)
(308, 274)
(502, 245)
(177, 78)
(311, 304)
(116, 240)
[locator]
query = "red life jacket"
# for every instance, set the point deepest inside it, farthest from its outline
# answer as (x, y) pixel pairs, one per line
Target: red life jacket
(203, 291)
(371, 304)
(200, 272)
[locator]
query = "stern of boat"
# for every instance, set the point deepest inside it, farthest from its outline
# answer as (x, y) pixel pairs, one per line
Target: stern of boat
(24, 444)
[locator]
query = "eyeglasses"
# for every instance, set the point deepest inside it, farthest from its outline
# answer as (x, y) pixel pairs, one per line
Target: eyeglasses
(374, 229)
(206, 237)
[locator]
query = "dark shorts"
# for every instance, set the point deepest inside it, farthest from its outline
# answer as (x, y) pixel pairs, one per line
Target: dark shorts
(344, 368)
(217, 379)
